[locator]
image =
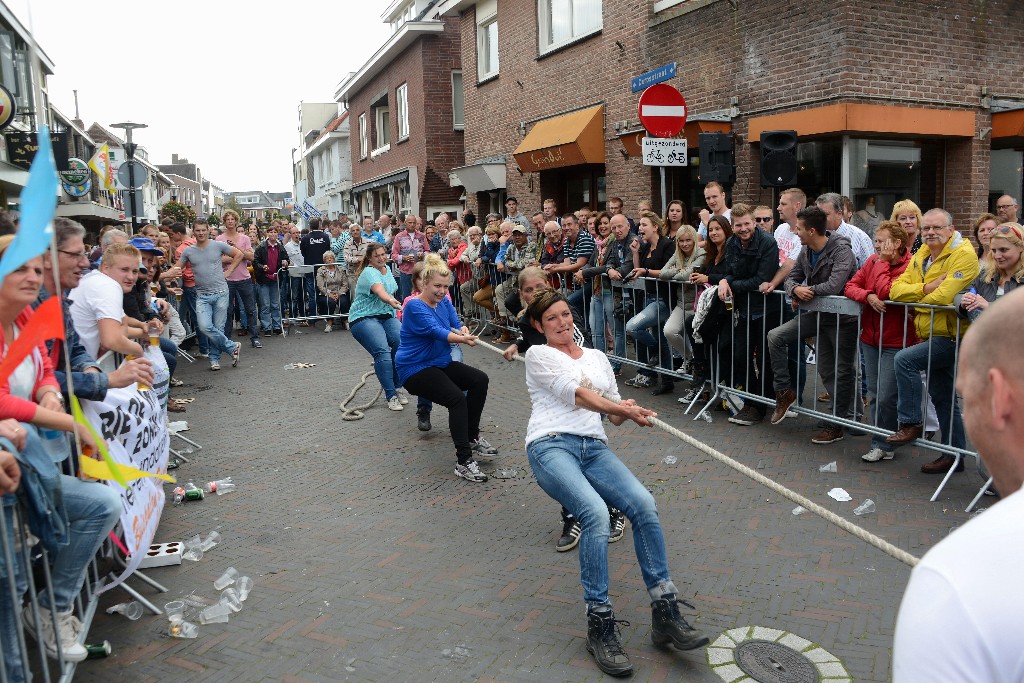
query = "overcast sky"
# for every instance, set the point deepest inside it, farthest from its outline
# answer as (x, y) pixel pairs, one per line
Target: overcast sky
(217, 81)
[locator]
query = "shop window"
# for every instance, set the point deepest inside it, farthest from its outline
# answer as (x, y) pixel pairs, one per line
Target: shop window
(882, 172)
(562, 21)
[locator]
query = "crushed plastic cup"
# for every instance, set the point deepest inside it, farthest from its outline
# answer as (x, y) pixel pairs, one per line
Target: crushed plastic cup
(865, 508)
(193, 549)
(215, 614)
(230, 599)
(244, 587)
(175, 610)
(226, 579)
(840, 494)
(211, 541)
(132, 610)
(183, 629)
(831, 467)
(799, 510)
(670, 460)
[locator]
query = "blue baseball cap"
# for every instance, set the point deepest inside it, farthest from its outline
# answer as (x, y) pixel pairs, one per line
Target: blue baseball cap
(145, 244)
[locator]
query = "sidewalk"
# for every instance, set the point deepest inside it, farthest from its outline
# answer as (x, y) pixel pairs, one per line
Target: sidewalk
(373, 562)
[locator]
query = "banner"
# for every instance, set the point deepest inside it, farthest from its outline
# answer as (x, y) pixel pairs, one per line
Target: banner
(134, 425)
(100, 163)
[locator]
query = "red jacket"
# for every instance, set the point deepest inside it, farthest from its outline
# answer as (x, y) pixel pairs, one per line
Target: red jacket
(876, 277)
(12, 406)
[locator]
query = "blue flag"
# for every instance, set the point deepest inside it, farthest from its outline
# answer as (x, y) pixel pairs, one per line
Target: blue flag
(38, 203)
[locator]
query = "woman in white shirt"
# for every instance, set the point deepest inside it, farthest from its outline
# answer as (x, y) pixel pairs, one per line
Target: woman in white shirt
(571, 388)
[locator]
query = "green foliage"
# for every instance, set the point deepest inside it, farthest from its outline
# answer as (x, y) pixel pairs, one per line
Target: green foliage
(213, 219)
(179, 212)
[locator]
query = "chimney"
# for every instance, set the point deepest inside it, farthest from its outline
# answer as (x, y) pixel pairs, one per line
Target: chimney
(174, 158)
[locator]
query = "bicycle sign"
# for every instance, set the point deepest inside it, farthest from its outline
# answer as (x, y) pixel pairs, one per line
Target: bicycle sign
(664, 151)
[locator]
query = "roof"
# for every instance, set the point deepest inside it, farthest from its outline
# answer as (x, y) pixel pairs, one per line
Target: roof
(409, 33)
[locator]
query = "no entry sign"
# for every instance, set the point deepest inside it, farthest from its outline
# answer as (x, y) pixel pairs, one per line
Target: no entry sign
(662, 110)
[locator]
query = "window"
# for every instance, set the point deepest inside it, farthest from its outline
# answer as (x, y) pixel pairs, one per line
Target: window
(402, 104)
(563, 21)
(458, 106)
(486, 39)
(382, 128)
(363, 143)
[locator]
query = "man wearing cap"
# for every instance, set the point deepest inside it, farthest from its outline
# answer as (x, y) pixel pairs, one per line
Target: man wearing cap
(512, 204)
(517, 256)
(137, 302)
(239, 281)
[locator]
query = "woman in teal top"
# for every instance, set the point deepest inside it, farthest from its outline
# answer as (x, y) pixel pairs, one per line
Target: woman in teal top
(372, 319)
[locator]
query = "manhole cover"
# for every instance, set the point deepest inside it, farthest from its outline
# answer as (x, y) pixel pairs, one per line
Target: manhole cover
(768, 662)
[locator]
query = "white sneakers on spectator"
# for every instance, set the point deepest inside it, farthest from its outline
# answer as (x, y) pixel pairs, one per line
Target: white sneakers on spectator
(214, 365)
(70, 629)
(470, 471)
(403, 396)
(482, 447)
(395, 403)
(639, 381)
(327, 328)
(876, 454)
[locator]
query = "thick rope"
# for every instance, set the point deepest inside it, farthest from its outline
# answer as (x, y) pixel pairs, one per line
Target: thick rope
(356, 412)
(826, 514)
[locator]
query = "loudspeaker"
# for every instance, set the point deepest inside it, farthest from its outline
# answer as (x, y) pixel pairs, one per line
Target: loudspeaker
(717, 161)
(778, 158)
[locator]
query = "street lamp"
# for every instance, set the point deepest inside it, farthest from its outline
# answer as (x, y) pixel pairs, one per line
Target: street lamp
(129, 154)
(174, 193)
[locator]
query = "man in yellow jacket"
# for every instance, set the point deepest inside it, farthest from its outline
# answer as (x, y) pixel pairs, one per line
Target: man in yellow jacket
(943, 267)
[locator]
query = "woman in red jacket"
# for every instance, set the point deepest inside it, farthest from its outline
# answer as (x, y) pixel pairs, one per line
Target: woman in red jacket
(884, 330)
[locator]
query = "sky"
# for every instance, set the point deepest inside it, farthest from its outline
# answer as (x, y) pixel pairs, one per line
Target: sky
(217, 81)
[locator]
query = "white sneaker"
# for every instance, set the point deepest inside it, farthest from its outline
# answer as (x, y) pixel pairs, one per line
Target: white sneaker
(482, 447)
(403, 396)
(70, 629)
(395, 403)
(876, 454)
(470, 472)
(327, 328)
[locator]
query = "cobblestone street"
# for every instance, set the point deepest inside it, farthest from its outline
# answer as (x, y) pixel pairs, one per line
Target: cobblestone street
(373, 562)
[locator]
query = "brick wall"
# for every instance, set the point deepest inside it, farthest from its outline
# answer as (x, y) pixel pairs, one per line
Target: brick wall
(433, 146)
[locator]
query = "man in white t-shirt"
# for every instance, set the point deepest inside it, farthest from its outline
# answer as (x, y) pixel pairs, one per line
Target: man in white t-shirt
(97, 308)
(963, 610)
(714, 197)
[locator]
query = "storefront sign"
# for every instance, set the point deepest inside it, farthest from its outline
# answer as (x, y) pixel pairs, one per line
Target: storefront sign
(7, 107)
(79, 190)
(76, 173)
(648, 79)
(22, 148)
(664, 151)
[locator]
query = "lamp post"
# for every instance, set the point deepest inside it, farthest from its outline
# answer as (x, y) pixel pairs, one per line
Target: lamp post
(129, 154)
(174, 193)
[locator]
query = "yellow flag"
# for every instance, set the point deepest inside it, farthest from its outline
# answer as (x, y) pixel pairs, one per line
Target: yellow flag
(114, 468)
(100, 164)
(101, 470)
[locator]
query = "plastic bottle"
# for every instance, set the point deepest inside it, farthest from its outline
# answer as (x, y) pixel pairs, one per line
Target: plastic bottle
(973, 315)
(55, 443)
(220, 487)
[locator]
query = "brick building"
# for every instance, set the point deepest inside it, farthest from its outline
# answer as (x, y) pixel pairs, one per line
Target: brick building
(406, 116)
(888, 101)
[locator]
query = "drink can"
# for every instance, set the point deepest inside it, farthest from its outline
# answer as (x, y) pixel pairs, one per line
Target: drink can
(194, 494)
(98, 650)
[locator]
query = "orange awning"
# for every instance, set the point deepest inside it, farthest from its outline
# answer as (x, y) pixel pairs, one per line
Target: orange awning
(569, 140)
(633, 142)
(1008, 124)
(875, 119)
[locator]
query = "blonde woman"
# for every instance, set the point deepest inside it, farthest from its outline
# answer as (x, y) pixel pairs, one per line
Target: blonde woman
(425, 367)
(687, 259)
(1002, 270)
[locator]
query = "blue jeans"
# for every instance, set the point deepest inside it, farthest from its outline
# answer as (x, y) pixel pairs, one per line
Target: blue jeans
(242, 289)
(880, 378)
(910, 363)
(602, 312)
(404, 286)
(309, 284)
(270, 305)
(648, 346)
(381, 338)
(170, 351)
(579, 300)
(585, 476)
(212, 311)
(189, 295)
(293, 291)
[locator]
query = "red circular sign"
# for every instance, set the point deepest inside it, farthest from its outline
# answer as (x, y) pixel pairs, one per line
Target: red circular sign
(662, 110)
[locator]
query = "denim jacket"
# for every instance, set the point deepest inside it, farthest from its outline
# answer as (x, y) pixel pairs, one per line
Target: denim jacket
(40, 493)
(88, 385)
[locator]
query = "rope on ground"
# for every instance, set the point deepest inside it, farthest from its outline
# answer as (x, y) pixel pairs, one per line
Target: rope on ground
(356, 412)
(826, 514)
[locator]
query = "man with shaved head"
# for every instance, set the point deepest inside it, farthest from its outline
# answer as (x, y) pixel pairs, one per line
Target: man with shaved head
(963, 611)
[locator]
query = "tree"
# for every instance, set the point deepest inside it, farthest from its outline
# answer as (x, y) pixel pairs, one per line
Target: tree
(181, 213)
(213, 219)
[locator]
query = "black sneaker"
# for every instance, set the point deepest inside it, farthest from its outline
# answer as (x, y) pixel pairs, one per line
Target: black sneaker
(257, 344)
(603, 642)
(570, 534)
(670, 628)
(616, 524)
(749, 415)
(423, 421)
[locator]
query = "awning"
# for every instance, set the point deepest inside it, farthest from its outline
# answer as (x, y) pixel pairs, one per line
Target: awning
(88, 210)
(479, 177)
(876, 119)
(1008, 124)
(390, 179)
(633, 141)
(568, 140)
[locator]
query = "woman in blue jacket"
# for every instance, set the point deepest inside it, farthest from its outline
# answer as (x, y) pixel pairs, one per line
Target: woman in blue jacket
(430, 326)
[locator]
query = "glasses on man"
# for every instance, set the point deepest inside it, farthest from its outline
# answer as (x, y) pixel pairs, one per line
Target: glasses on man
(77, 255)
(1005, 206)
(763, 219)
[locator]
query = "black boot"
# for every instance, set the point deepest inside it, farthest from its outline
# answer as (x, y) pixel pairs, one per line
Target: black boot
(665, 386)
(423, 420)
(669, 626)
(603, 642)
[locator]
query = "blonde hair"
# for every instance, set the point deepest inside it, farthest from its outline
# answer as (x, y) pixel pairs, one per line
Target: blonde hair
(433, 266)
(906, 206)
(115, 250)
(655, 220)
(1013, 235)
(685, 231)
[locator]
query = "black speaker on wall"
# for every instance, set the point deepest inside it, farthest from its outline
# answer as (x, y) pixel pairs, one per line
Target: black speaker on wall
(717, 160)
(778, 158)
